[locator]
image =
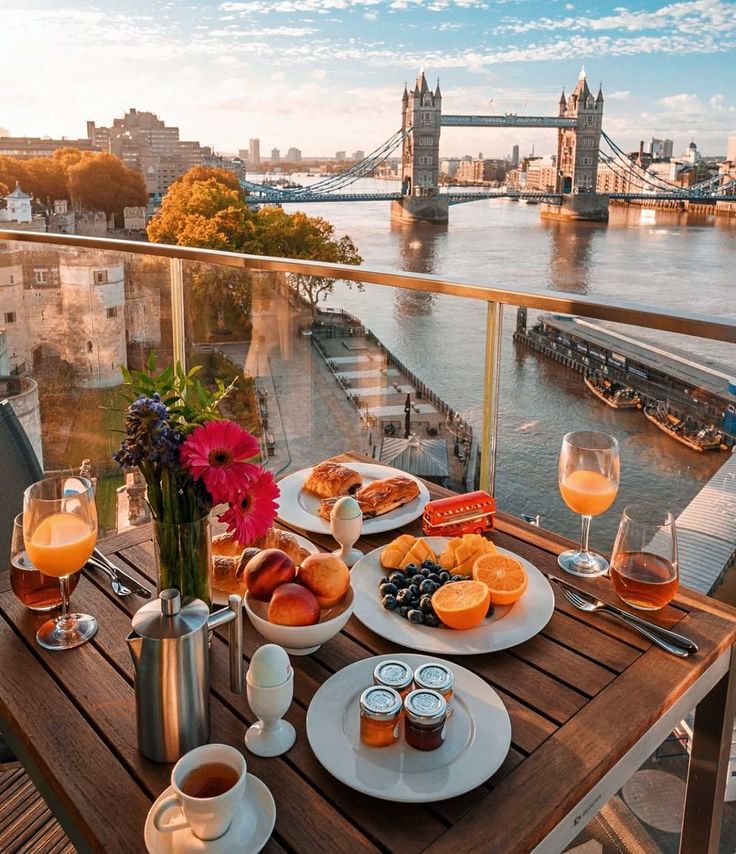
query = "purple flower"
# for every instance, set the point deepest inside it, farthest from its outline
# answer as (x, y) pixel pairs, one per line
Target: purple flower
(151, 437)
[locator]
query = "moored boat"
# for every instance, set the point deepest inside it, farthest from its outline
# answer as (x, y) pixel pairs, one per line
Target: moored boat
(612, 393)
(703, 439)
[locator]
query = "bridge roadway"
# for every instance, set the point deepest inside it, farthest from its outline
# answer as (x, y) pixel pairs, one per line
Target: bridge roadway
(510, 120)
(457, 198)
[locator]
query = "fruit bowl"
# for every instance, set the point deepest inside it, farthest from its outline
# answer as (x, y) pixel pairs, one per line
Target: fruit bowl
(301, 640)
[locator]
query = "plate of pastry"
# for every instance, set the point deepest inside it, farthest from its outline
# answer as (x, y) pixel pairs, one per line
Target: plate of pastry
(451, 596)
(229, 559)
(388, 497)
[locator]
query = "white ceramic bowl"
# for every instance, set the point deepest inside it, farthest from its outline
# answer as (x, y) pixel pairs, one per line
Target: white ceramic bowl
(301, 640)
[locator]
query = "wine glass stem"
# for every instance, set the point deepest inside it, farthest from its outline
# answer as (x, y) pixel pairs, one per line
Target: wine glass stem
(584, 534)
(65, 623)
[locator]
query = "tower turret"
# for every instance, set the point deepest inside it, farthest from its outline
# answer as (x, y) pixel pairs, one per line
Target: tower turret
(577, 147)
(421, 111)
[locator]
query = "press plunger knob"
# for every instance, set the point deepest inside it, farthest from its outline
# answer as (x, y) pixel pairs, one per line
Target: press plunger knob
(170, 602)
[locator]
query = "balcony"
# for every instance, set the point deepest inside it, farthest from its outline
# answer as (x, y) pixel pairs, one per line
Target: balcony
(466, 385)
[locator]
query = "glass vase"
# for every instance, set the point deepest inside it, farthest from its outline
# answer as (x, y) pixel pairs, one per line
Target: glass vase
(183, 553)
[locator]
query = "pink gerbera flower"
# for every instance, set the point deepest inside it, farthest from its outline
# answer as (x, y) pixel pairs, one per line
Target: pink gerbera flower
(218, 452)
(251, 515)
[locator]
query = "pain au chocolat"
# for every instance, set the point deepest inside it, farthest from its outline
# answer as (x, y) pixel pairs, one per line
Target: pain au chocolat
(379, 497)
(330, 480)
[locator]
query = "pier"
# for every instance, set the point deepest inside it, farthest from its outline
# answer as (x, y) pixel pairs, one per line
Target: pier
(689, 390)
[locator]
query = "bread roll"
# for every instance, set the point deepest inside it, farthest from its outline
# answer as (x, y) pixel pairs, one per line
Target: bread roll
(226, 544)
(228, 573)
(275, 538)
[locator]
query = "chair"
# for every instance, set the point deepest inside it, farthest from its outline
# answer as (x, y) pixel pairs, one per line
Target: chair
(19, 468)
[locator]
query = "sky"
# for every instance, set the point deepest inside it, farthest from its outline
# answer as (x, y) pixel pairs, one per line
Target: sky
(326, 75)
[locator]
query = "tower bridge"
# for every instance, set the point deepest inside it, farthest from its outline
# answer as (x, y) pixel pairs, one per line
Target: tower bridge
(579, 126)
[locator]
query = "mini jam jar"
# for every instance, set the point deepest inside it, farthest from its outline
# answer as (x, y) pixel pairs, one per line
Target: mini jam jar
(394, 674)
(425, 719)
(380, 716)
(437, 677)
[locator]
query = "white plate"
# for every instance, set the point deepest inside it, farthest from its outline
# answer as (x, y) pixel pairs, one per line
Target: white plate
(478, 738)
(249, 832)
(509, 625)
(301, 509)
(219, 597)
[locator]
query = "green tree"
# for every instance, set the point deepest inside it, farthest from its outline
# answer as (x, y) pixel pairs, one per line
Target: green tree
(104, 183)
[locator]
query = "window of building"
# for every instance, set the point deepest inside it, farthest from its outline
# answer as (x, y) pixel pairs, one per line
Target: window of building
(425, 140)
(112, 312)
(9, 317)
(41, 276)
(12, 279)
(100, 277)
(90, 347)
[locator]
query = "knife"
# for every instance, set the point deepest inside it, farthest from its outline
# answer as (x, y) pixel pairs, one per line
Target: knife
(667, 634)
(123, 577)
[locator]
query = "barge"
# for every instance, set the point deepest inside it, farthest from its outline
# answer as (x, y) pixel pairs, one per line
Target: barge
(612, 393)
(703, 439)
(696, 394)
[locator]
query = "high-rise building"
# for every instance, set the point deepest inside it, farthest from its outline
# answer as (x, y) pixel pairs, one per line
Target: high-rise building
(731, 149)
(515, 156)
(359, 154)
(340, 155)
(275, 155)
(145, 143)
(294, 155)
(254, 152)
(660, 149)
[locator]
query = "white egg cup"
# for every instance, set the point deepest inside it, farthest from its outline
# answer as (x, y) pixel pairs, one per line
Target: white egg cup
(270, 735)
(347, 532)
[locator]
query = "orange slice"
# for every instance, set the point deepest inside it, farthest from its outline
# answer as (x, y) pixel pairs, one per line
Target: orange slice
(461, 604)
(504, 576)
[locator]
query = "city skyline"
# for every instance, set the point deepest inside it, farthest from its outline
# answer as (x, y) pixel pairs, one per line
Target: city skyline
(228, 71)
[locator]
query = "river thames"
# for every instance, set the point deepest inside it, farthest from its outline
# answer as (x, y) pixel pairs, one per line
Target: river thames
(661, 258)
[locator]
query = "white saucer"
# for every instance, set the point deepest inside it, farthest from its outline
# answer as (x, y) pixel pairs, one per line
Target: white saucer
(249, 832)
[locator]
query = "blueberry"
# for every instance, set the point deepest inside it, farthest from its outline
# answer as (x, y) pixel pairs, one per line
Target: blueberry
(458, 578)
(427, 564)
(384, 580)
(425, 572)
(425, 603)
(389, 602)
(397, 578)
(444, 576)
(491, 611)
(411, 569)
(415, 616)
(417, 579)
(434, 577)
(432, 620)
(414, 590)
(404, 597)
(388, 589)
(428, 586)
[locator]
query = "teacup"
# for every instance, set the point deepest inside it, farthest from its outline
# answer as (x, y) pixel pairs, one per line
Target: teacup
(208, 784)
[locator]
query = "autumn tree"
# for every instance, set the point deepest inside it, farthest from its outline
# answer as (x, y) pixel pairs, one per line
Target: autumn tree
(105, 183)
(300, 236)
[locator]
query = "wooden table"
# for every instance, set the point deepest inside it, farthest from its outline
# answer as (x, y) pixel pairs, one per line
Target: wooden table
(589, 701)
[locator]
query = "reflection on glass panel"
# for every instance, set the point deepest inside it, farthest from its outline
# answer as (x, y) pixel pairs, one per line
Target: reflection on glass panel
(667, 398)
(320, 381)
(70, 319)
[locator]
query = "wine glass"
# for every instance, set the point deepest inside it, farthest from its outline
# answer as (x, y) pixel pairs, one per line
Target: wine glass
(35, 590)
(588, 477)
(644, 563)
(60, 531)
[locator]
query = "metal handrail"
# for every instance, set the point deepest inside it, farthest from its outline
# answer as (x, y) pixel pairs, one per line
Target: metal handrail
(619, 311)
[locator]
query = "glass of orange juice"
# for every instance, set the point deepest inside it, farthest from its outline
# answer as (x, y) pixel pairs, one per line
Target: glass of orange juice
(588, 476)
(60, 531)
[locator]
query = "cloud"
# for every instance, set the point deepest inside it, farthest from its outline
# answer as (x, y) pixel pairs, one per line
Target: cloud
(623, 95)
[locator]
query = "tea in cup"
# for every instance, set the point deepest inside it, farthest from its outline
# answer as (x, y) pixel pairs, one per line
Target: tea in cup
(208, 784)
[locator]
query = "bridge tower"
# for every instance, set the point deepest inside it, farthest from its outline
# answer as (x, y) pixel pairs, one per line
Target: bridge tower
(577, 147)
(577, 157)
(421, 113)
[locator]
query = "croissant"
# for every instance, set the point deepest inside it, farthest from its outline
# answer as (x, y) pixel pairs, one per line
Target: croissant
(275, 538)
(228, 573)
(378, 497)
(226, 544)
(328, 480)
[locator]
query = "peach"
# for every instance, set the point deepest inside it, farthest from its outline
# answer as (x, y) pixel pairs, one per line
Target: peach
(267, 570)
(326, 576)
(293, 605)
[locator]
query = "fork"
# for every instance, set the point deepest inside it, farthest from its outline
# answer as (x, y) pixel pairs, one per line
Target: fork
(669, 641)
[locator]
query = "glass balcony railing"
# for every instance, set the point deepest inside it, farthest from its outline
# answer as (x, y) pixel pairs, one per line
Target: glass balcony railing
(466, 384)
